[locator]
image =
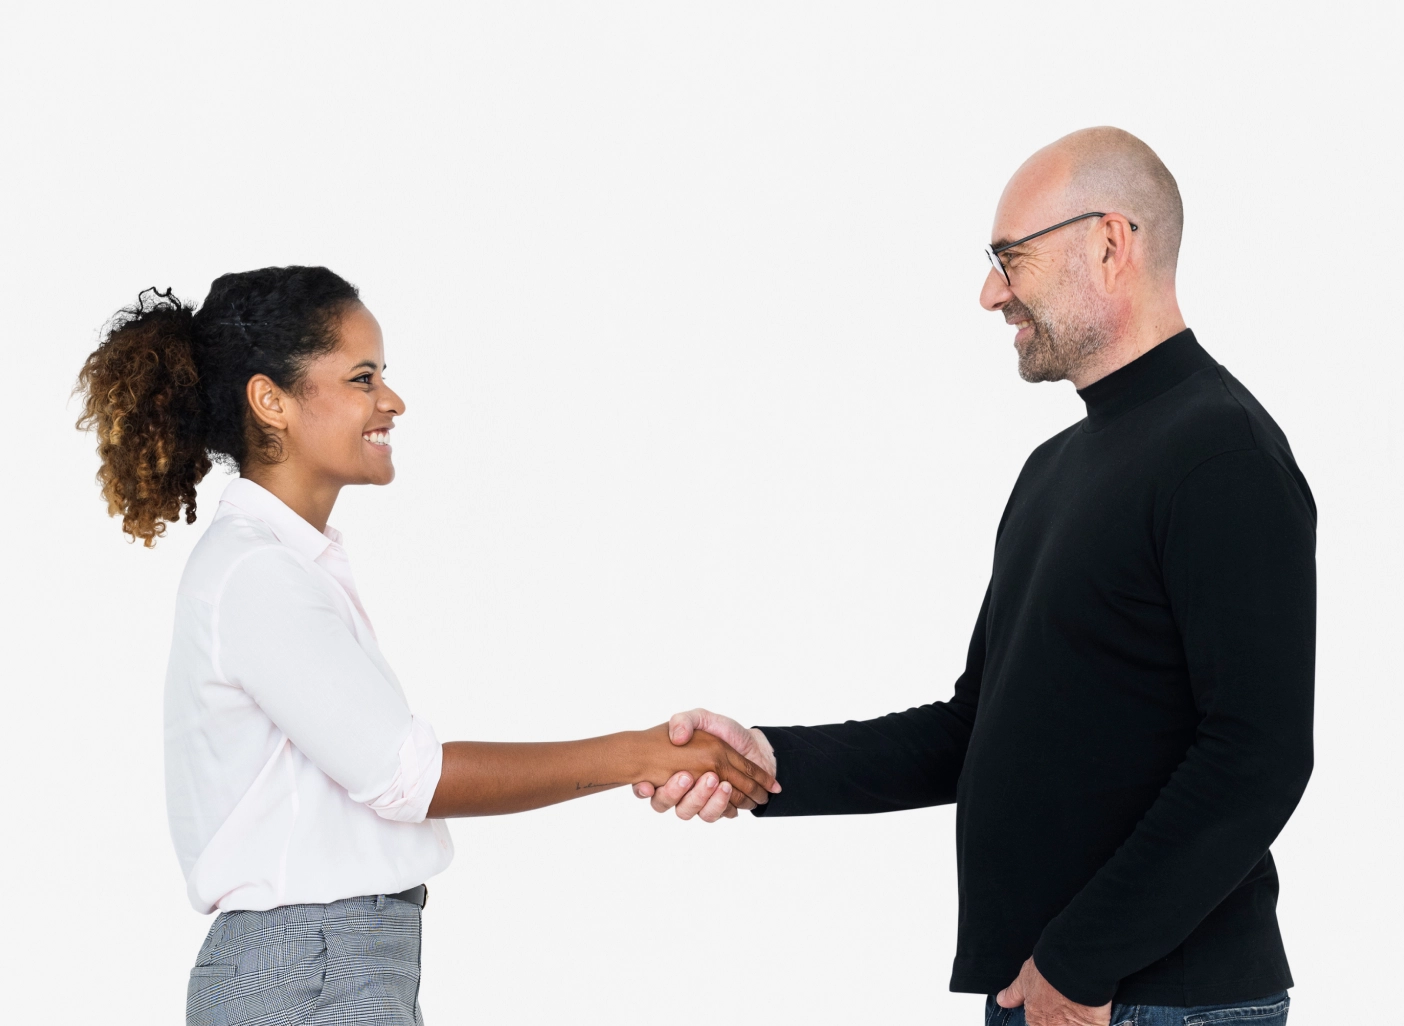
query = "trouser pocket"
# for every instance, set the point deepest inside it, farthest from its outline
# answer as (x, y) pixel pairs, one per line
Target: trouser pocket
(1274, 1014)
(205, 990)
(259, 967)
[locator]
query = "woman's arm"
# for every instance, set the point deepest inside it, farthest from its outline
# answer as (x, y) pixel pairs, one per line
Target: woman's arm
(487, 778)
(281, 639)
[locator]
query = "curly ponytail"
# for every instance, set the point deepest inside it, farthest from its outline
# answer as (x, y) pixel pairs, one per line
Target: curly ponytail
(165, 390)
(141, 394)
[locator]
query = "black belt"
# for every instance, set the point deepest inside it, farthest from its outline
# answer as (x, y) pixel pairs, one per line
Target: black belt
(415, 895)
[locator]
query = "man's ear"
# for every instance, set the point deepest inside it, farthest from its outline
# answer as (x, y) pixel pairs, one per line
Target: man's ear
(1115, 242)
(268, 402)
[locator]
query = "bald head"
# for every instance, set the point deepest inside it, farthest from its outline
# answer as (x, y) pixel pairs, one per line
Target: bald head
(1087, 295)
(1110, 169)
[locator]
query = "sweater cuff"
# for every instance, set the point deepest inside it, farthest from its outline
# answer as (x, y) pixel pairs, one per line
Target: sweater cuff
(1074, 982)
(795, 769)
(778, 747)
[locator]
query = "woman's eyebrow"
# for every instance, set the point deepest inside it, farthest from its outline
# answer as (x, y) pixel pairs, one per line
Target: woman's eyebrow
(366, 363)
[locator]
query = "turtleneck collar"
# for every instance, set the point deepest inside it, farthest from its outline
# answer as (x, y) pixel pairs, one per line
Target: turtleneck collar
(1156, 371)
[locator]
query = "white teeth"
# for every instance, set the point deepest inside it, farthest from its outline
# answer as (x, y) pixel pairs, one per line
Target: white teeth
(376, 438)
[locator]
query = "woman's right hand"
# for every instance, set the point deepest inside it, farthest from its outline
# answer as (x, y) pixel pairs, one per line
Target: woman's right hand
(751, 785)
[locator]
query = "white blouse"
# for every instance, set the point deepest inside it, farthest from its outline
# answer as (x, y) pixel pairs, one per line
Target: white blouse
(295, 771)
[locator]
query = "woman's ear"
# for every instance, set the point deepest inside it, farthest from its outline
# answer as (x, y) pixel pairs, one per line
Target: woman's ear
(268, 402)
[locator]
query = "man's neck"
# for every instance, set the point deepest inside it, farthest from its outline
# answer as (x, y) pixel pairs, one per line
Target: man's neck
(1145, 329)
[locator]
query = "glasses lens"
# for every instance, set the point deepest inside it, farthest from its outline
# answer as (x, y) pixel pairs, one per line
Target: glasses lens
(998, 263)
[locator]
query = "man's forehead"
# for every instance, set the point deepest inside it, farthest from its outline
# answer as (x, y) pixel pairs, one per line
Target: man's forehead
(1030, 198)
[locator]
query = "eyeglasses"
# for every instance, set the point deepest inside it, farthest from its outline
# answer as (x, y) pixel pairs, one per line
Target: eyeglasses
(993, 252)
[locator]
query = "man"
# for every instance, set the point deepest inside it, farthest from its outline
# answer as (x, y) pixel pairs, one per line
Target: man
(1133, 726)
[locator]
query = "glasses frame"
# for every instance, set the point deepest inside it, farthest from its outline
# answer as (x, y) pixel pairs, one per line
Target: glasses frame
(993, 252)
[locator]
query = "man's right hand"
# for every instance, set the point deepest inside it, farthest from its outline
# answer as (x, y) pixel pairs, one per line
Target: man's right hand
(709, 799)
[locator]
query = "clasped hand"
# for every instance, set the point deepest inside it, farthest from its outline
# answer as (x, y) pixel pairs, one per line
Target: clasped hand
(710, 760)
(708, 795)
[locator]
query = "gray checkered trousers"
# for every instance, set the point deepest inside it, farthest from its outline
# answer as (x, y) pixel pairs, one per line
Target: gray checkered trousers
(352, 961)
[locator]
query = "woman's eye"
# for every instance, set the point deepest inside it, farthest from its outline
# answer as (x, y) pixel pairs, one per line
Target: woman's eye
(364, 379)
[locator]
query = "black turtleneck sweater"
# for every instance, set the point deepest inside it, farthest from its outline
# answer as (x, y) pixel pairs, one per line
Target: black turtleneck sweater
(1133, 726)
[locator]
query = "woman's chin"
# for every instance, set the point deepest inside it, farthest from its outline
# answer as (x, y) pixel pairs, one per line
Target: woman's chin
(381, 475)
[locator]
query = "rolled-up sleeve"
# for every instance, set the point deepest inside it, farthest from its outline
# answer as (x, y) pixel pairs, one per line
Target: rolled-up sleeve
(407, 798)
(280, 637)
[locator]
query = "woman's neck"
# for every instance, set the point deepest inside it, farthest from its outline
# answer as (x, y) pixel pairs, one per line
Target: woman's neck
(311, 500)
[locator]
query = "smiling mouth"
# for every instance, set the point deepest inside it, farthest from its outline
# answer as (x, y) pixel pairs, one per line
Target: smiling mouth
(381, 438)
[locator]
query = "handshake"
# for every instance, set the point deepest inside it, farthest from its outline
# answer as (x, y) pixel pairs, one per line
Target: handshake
(707, 796)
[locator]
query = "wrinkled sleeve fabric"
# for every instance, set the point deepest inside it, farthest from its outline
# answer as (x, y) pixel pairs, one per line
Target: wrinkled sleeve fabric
(1239, 569)
(279, 636)
(904, 760)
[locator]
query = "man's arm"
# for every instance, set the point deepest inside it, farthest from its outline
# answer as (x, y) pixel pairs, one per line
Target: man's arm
(904, 760)
(1239, 569)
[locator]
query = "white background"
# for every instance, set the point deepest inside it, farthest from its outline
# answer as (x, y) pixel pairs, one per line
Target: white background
(702, 410)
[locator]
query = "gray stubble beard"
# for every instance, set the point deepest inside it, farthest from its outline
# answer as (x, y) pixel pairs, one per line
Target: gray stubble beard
(1063, 340)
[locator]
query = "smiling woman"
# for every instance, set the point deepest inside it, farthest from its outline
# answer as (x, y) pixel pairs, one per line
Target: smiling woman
(167, 387)
(306, 801)
(338, 415)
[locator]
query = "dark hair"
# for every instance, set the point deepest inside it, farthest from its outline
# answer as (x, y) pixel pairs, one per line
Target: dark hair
(166, 387)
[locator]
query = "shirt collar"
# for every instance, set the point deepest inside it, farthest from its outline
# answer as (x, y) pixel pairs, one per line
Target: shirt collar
(287, 526)
(1155, 371)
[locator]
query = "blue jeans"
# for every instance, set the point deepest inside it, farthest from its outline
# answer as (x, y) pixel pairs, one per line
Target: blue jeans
(1268, 1011)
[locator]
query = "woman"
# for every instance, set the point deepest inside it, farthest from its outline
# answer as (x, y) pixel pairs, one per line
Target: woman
(306, 801)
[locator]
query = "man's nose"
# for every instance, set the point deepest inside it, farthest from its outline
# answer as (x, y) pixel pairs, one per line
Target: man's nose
(995, 292)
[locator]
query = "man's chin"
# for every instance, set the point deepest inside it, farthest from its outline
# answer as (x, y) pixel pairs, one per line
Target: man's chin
(1034, 370)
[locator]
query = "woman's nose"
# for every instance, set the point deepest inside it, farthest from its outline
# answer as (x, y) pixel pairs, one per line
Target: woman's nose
(390, 402)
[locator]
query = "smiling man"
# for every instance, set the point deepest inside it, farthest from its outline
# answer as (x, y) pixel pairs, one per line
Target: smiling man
(1133, 726)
